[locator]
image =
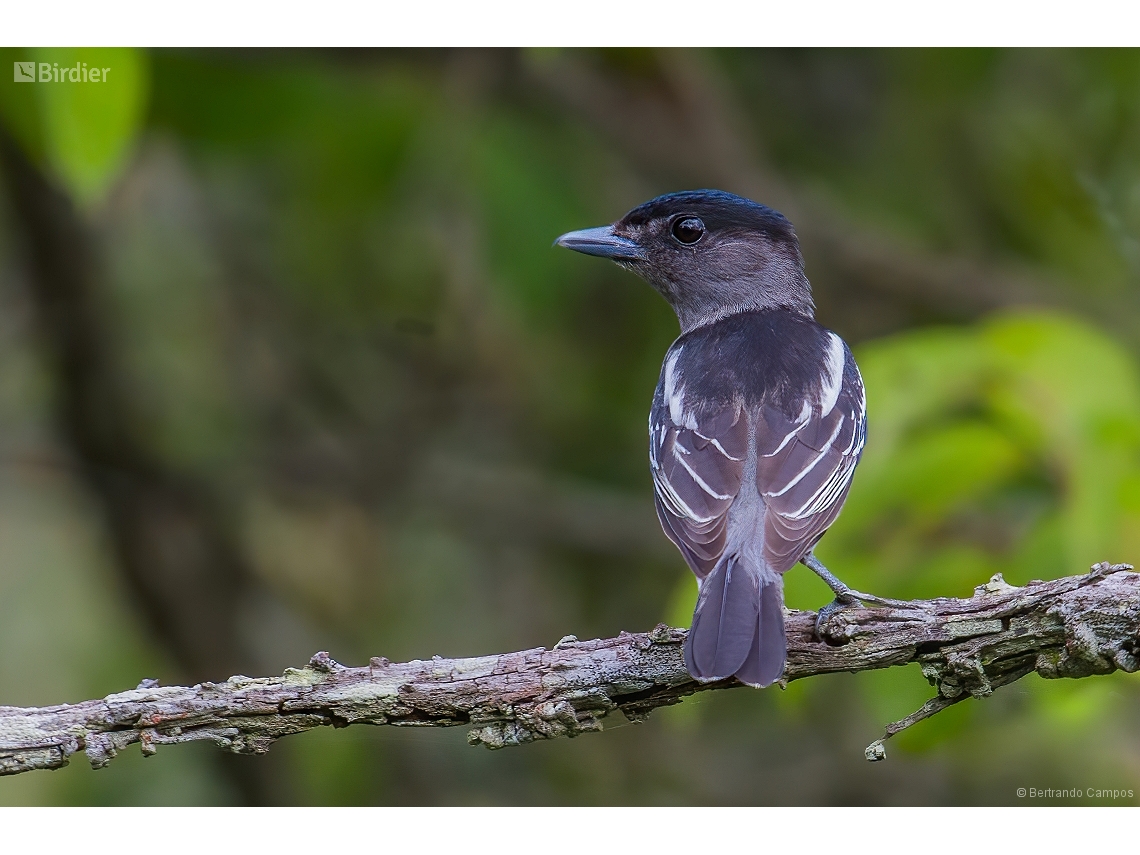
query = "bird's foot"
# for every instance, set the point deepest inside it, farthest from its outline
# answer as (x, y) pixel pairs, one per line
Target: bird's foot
(841, 602)
(847, 599)
(872, 600)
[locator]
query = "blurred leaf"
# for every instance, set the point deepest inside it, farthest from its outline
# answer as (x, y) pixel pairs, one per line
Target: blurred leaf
(1012, 445)
(83, 131)
(19, 106)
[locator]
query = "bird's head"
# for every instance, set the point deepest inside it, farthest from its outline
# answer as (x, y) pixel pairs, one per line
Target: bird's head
(711, 254)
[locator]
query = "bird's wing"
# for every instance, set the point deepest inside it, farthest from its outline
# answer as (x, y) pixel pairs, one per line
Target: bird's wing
(696, 455)
(804, 465)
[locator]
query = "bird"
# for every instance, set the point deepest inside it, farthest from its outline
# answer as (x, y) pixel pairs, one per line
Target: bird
(757, 423)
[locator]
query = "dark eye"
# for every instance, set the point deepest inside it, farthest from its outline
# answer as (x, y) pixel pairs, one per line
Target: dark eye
(688, 230)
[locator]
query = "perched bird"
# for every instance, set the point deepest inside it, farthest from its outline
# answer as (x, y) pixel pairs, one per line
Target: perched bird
(757, 423)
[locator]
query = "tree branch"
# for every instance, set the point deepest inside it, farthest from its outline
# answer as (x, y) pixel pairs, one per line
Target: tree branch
(1077, 626)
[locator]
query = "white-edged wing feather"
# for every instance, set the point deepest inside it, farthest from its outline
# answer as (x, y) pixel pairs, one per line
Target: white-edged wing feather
(804, 468)
(804, 464)
(697, 474)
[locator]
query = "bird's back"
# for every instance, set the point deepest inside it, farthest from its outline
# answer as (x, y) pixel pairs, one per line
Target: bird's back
(758, 419)
(757, 424)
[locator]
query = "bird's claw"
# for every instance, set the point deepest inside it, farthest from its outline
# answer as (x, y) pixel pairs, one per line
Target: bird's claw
(872, 600)
(845, 598)
(842, 601)
(850, 599)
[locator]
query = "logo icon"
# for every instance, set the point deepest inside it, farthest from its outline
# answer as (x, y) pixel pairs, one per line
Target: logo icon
(24, 72)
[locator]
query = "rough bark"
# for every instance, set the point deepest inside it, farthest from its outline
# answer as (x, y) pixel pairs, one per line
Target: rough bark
(1078, 626)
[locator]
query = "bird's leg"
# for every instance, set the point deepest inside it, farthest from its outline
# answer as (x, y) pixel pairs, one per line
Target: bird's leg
(844, 597)
(842, 592)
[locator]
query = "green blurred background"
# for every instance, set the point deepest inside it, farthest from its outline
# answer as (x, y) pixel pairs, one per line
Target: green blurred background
(287, 363)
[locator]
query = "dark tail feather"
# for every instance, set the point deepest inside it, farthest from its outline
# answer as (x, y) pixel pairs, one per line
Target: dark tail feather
(725, 622)
(765, 662)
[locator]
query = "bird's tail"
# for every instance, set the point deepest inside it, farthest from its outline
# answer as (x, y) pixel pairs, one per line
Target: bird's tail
(738, 627)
